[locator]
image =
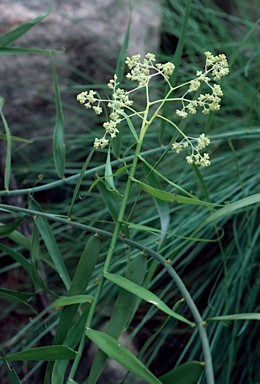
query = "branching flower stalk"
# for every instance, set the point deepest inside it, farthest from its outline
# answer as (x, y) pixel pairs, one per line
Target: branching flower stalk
(120, 103)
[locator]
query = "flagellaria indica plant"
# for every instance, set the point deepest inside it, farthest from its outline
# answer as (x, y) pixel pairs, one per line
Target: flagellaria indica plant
(121, 108)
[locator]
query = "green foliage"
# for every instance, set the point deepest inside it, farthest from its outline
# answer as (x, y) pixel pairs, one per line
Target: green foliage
(159, 231)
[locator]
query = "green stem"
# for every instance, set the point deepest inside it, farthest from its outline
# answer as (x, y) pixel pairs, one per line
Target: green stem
(114, 239)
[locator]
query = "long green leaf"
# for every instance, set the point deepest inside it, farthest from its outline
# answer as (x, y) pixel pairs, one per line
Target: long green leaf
(117, 141)
(35, 255)
(161, 206)
(50, 353)
(239, 316)
(58, 136)
(130, 125)
(23, 51)
(7, 229)
(70, 300)
(16, 33)
(230, 208)
(12, 375)
(51, 244)
(146, 295)
(161, 176)
(60, 366)
(109, 173)
(79, 181)
(81, 278)
(111, 200)
(8, 149)
(17, 257)
(170, 197)
(15, 296)
(122, 313)
(16, 138)
(187, 373)
(122, 355)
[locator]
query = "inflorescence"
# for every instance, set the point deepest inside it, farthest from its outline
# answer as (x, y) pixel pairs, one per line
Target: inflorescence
(142, 72)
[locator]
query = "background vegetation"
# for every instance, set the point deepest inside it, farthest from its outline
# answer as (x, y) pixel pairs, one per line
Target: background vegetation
(219, 264)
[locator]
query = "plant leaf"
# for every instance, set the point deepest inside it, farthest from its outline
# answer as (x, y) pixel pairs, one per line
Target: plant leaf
(7, 229)
(17, 257)
(161, 206)
(81, 278)
(58, 136)
(229, 208)
(170, 197)
(70, 300)
(50, 353)
(60, 366)
(34, 253)
(187, 373)
(8, 148)
(111, 200)
(16, 33)
(109, 173)
(12, 375)
(239, 316)
(122, 355)
(146, 295)
(122, 313)
(15, 296)
(117, 141)
(51, 244)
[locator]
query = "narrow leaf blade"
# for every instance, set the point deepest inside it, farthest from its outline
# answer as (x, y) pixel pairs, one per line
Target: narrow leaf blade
(146, 295)
(50, 353)
(187, 373)
(7, 229)
(239, 316)
(122, 355)
(16, 33)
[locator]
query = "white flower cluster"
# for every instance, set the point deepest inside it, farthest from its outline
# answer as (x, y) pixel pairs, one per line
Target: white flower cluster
(196, 157)
(140, 72)
(217, 66)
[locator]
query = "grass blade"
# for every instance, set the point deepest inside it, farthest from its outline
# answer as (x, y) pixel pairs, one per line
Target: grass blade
(9, 148)
(16, 33)
(122, 355)
(51, 244)
(230, 208)
(122, 313)
(117, 141)
(77, 299)
(12, 375)
(161, 206)
(239, 316)
(170, 197)
(7, 229)
(111, 200)
(17, 257)
(58, 136)
(60, 366)
(109, 173)
(78, 286)
(146, 295)
(22, 51)
(51, 353)
(188, 373)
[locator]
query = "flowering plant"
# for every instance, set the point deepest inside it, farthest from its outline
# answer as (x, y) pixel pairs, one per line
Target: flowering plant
(143, 72)
(121, 106)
